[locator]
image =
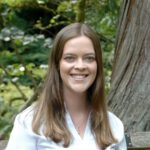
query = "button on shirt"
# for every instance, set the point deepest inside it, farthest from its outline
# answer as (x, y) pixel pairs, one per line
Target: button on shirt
(23, 138)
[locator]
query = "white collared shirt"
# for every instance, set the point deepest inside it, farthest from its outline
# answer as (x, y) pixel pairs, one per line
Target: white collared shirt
(23, 138)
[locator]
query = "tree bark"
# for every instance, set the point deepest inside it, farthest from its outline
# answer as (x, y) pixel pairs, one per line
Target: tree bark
(129, 97)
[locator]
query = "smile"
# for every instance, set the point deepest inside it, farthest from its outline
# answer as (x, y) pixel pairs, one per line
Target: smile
(79, 76)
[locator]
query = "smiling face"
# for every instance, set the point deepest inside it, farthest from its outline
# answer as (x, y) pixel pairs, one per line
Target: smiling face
(78, 66)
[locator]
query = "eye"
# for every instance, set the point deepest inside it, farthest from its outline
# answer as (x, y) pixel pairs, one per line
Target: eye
(89, 58)
(69, 58)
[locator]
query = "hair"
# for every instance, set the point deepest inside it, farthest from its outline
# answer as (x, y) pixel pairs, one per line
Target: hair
(50, 110)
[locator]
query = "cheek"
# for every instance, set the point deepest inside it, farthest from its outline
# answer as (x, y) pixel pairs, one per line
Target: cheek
(64, 69)
(94, 69)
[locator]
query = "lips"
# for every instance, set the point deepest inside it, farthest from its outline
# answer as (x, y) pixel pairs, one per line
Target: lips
(79, 76)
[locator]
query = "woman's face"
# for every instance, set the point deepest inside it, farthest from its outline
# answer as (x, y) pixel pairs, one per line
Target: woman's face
(78, 66)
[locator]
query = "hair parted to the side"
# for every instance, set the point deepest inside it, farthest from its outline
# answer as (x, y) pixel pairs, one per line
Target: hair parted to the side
(50, 110)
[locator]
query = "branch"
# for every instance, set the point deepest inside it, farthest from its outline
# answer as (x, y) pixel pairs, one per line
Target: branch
(45, 8)
(49, 26)
(27, 72)
(14, 83)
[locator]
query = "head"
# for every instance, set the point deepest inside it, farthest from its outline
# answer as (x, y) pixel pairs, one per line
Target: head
(73, 31)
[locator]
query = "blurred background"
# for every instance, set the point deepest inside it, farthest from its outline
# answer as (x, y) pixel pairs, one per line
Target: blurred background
(27, 30)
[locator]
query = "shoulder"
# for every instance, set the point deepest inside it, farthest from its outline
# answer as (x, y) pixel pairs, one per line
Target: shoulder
(22, 136)
(24, 118)
(116, 126)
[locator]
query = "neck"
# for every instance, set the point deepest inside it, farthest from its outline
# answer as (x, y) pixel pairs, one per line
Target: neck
(76, 102)
(78, 107)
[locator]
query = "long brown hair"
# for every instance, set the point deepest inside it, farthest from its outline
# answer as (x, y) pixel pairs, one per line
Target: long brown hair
(50, 109)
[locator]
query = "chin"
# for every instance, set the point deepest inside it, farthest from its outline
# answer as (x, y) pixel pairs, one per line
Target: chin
(80, 90)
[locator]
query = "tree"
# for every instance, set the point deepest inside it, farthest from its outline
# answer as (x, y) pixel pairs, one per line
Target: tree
(129, 96)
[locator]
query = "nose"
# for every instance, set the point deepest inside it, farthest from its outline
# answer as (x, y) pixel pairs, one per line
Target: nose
(79, 64)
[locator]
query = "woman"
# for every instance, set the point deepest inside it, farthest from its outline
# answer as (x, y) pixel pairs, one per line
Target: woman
(71, 112)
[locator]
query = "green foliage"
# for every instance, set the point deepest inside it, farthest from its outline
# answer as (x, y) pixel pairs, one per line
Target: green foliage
(16, 44)
(27, 29)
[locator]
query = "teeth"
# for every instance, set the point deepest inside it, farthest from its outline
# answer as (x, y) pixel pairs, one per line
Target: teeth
(78, 77)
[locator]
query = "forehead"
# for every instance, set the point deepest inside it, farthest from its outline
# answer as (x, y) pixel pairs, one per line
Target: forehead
(79, 44)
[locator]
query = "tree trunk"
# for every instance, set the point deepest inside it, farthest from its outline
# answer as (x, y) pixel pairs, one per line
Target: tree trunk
(129, 96)
(80, 14)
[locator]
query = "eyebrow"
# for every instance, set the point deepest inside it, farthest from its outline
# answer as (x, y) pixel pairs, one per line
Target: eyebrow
(93, 54)
(68, 54)
(90, 54)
